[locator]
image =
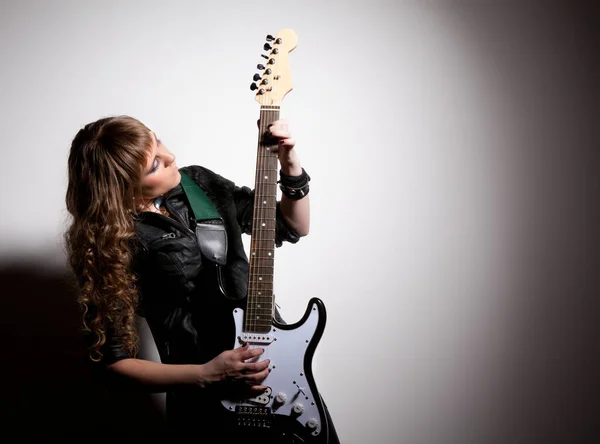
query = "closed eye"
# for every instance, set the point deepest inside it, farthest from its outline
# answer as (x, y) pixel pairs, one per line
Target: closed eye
(154, 166)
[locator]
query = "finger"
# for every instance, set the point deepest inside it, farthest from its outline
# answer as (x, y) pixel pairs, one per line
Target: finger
(287, 143)
(280, 133)
(280, 122)
(257, 389)
(256, 378)
(242, 348)
(255, 367)
(253, 353)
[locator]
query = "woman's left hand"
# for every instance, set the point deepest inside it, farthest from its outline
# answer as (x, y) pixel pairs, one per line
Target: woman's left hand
(279, 134)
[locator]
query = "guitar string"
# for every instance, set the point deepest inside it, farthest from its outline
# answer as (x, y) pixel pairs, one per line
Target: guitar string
(256, 240)
(259, 191)
(263, 191)
(266, 160)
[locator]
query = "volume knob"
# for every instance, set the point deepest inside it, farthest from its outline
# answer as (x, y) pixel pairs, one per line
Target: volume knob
(281, 398)
(298, 408)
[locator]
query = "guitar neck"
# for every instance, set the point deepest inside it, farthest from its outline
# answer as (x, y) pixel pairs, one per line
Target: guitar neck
(260, 304)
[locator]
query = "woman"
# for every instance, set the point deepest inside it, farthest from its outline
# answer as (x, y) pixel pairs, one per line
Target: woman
(136, 248)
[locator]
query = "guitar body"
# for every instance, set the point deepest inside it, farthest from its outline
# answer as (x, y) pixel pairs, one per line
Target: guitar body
(291, 409)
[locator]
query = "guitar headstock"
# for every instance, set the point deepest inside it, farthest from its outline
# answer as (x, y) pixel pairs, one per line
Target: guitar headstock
(276, 80)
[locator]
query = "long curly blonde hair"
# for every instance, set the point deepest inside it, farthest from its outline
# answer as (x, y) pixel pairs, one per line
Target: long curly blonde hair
(106, 163)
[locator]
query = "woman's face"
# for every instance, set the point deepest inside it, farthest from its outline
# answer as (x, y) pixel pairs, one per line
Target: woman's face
(160, 173)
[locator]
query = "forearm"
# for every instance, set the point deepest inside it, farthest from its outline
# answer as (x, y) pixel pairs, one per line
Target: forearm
(296, 213)
(155, 377)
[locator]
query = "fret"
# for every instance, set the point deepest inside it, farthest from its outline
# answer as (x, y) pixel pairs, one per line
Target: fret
(255, 288)
(252, 326)
(261, 225)
(267, 262)
(260, 318)
(261, 321)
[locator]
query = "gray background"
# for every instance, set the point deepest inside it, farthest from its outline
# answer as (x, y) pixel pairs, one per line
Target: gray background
(453, 148)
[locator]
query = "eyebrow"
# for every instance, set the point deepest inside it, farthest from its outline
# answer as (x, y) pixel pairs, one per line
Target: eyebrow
(156, 140)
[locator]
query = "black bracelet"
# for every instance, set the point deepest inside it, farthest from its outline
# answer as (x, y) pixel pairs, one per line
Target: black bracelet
(294, 187)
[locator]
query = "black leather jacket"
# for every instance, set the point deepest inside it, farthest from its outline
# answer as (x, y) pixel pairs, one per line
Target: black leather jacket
(185, 297)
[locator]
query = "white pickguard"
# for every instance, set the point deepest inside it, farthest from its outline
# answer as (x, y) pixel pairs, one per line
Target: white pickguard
(287, 380)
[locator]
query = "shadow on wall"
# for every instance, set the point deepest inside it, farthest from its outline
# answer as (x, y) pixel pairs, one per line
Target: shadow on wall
(51, 392)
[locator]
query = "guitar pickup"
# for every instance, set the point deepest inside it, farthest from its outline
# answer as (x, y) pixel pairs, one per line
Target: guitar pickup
(256, 338)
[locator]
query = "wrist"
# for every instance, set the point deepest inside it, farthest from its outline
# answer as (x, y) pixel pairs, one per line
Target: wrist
(290, 164)
(198, 377)
(294, 186)
(291, 169)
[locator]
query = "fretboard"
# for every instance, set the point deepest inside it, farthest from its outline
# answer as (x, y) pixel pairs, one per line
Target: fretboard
(260, 304)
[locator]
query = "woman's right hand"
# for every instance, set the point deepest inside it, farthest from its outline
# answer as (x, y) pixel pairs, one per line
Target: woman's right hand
(230, 367)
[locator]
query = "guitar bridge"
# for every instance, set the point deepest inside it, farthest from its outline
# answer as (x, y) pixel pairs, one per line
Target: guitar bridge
(253, 417)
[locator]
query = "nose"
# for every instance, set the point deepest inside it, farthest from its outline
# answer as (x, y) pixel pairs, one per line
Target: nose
(170, 158)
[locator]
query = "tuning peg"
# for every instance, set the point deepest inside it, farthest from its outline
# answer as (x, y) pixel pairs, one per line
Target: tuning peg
(261, 67)
(270, 38)
(253, 86)
(268, 71)
(264, 56)
(271, 61)
(256, 77)
(267, 47)
(278, 41)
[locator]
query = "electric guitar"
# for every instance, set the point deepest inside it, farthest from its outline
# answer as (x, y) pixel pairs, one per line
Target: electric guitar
(291, 409)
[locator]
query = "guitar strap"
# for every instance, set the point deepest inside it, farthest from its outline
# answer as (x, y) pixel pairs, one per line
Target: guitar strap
(210, 228)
